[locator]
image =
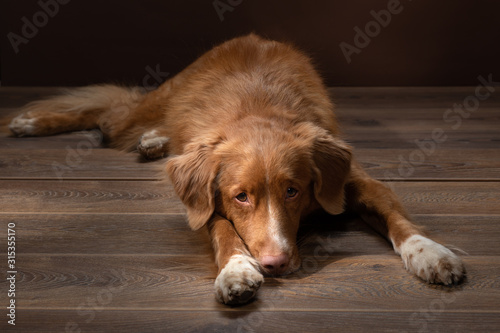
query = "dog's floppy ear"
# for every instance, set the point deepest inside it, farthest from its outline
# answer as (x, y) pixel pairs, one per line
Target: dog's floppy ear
(332, 163)
(193, 176)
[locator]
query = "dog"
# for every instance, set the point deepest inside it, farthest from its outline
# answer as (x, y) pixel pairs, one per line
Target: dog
(253, 148)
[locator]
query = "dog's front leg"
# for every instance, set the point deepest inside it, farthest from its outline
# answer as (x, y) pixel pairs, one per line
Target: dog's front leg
(239, 277)
(379, 206)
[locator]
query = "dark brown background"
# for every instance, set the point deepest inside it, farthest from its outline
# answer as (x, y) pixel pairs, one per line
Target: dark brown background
(446, 42)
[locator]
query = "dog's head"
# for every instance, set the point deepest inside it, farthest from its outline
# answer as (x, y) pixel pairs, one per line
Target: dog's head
(263, 177)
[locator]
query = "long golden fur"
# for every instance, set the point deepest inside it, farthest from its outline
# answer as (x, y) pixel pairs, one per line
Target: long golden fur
(254, 147)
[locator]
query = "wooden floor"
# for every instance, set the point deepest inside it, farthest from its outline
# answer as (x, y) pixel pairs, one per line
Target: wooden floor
(101, 246)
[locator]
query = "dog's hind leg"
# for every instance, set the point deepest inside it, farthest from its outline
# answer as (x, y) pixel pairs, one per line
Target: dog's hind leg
(74, 110)
(37, 121)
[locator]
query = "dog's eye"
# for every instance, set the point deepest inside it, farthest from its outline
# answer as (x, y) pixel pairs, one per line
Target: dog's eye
(242, 197)
(291, 192)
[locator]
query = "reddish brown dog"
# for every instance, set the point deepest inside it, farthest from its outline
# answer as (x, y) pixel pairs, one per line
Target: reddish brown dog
(254, 148)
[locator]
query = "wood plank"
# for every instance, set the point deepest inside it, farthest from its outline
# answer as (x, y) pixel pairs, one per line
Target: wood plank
(25, 196)
(61, 142)
(338, 282)
(359, 281)
(389, 97)
(267, 319)
(89, 197)
(439, 164)
(347, 234)
(389, 138)
(80, 162)
(107, 234)
(414, 120)
(169, 234)
(374, 115)
(448, 197)
(384, 164)
(401, 129)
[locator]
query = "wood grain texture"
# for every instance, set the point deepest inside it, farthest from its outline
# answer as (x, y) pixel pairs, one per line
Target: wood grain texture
(337, 282)
(390, 97)
(452, 164)
(132, 234)
(73, 162)
(105, 247)
(89, 197)
(76, 163)
(426, 319)
(97, 196)
(107, 234)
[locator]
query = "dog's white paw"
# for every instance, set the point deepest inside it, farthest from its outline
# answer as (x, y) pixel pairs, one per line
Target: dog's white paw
(23, 126)
(430, 261)
(153, 146)
(238, 281)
